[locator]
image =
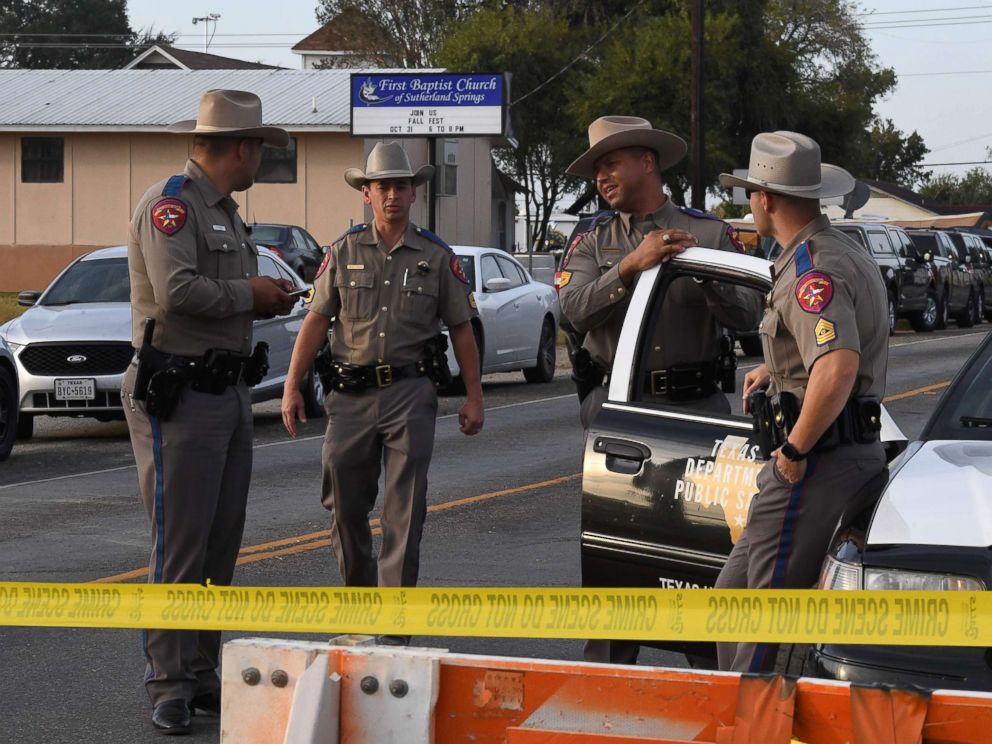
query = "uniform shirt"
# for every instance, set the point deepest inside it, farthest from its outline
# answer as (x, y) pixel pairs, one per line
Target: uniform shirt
(385, 302)
(190, 260)
(827, 294)
(594, 299)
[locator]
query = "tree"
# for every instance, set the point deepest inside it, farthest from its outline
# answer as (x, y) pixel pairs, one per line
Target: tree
(68, 34)
(413, 30)
(892, 156)
(975, 187)
(531, 44)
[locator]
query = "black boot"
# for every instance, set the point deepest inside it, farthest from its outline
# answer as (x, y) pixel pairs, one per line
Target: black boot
(171, 717)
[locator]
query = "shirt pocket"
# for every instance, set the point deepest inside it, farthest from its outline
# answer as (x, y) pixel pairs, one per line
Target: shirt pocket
(223, 257)
(358, 294)
(768, 330)
(419, 299)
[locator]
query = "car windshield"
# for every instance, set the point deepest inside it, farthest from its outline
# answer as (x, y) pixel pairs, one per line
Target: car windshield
(468, 266)
(268, 233)
(96, 280)
(966, 412)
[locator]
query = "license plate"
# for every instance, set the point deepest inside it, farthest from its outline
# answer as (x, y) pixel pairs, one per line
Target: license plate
(75, 389)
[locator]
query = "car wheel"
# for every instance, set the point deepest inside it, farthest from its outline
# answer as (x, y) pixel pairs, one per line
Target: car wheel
(942, 313)
(8, 412)
(793, 659)
(751, 345)
(892, 314)
(925, 320)
(966, 318)
(25, 426)
(544, 370)
(313, 395)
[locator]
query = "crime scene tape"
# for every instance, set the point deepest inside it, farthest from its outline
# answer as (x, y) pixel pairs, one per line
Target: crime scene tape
(783, 616)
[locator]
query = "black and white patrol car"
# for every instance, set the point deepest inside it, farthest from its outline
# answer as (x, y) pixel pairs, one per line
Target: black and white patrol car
(666, 493)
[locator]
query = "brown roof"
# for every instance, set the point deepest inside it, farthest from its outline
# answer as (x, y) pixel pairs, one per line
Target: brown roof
(349, 31)
(204, 61)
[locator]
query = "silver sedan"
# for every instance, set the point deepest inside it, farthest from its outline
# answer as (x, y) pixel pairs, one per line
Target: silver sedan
(73, 344)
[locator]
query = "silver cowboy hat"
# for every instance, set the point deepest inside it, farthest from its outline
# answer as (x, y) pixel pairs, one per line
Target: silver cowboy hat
(229, 113)
(610, 133)
(789, 163)
(387, 160)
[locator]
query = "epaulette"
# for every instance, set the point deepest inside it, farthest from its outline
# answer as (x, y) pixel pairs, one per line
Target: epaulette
(804, 258)
(174, 186)
(698, 213)
(599, 219)
(434, 239)
(350, 231)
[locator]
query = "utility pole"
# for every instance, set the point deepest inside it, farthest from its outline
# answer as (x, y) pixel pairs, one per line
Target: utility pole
(206, 27)
(696, 93)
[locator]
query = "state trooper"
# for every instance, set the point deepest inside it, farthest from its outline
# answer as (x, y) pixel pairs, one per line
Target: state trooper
(193, 271)
(626, 158)
(825, 338)
(382, 290)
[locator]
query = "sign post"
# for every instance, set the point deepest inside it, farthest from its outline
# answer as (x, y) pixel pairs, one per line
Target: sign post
(430, 105)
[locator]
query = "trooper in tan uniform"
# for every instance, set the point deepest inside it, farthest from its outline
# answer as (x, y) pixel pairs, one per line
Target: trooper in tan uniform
(383, 290)
(193, 271)
(597, 276)
(825, 339)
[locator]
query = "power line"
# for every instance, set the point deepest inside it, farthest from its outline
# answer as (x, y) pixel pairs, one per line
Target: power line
(923, 10)
(928, 24)
(971, 162)
(948, 72)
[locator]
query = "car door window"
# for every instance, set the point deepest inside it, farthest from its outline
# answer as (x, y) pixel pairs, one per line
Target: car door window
(267, 267)
(856, 235)
(879, 242)
(510, 272)
(490, 269)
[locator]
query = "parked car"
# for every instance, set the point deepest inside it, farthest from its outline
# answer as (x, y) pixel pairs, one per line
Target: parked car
(908, 542)
(953, 281)
(666, 490)
(908, 277)
(292, 244)
(73, 344)
(971, 255)
(517, 327)
(8, 400)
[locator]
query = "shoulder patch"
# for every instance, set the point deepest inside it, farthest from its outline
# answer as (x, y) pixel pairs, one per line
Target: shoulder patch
(597, 221)
(456, 268)
(435, 239)
(804, 258)
(169, 215)
(323, 265)
(814, 291)
(825, 331)
(351, 231)
(562, 278)
(174, 186)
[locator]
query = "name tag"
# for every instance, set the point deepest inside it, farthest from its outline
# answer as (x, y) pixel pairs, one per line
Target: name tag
(220, 228)
(356, 267)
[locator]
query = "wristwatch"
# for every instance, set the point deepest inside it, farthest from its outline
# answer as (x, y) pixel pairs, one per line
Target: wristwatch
(791, 453)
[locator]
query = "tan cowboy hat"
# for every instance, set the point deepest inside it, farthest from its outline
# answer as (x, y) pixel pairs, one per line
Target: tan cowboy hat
(387, 160)
(610, 133)
(226, 113)
(789, 163)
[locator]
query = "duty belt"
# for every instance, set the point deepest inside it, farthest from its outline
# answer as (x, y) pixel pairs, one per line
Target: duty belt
(683, 382)
(356, 378)
(210, 373)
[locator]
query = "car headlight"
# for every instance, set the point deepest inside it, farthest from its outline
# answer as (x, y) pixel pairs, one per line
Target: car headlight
(838, 574)
(883, 579)
(14, 347)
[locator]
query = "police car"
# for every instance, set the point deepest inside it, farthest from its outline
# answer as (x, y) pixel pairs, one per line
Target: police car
(666, 493)
(8, 400)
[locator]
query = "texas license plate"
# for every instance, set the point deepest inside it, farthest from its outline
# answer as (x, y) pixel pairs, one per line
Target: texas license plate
(75, 389)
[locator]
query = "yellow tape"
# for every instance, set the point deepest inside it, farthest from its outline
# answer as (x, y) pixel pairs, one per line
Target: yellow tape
(784, 616)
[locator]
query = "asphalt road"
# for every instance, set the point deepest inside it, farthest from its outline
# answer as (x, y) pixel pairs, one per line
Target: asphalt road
(69, 511)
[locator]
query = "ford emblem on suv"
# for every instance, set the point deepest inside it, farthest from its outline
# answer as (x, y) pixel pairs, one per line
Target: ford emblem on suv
(75, 359)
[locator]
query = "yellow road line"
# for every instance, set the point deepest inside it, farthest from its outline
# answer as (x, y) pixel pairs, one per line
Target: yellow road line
(320, 539)
(917, 391)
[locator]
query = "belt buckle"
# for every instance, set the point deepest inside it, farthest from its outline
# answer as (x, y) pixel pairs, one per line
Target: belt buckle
(383, 375)
(659, 382)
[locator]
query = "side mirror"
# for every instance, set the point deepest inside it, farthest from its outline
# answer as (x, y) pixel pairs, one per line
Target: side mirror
(927, 257)
(902, 251)
(497, 284)
(28, 298)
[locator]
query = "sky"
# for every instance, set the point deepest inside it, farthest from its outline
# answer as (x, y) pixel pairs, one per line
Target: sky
(944, 70)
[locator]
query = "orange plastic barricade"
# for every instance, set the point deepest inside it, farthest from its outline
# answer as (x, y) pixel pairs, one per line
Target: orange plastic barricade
(314, 693)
